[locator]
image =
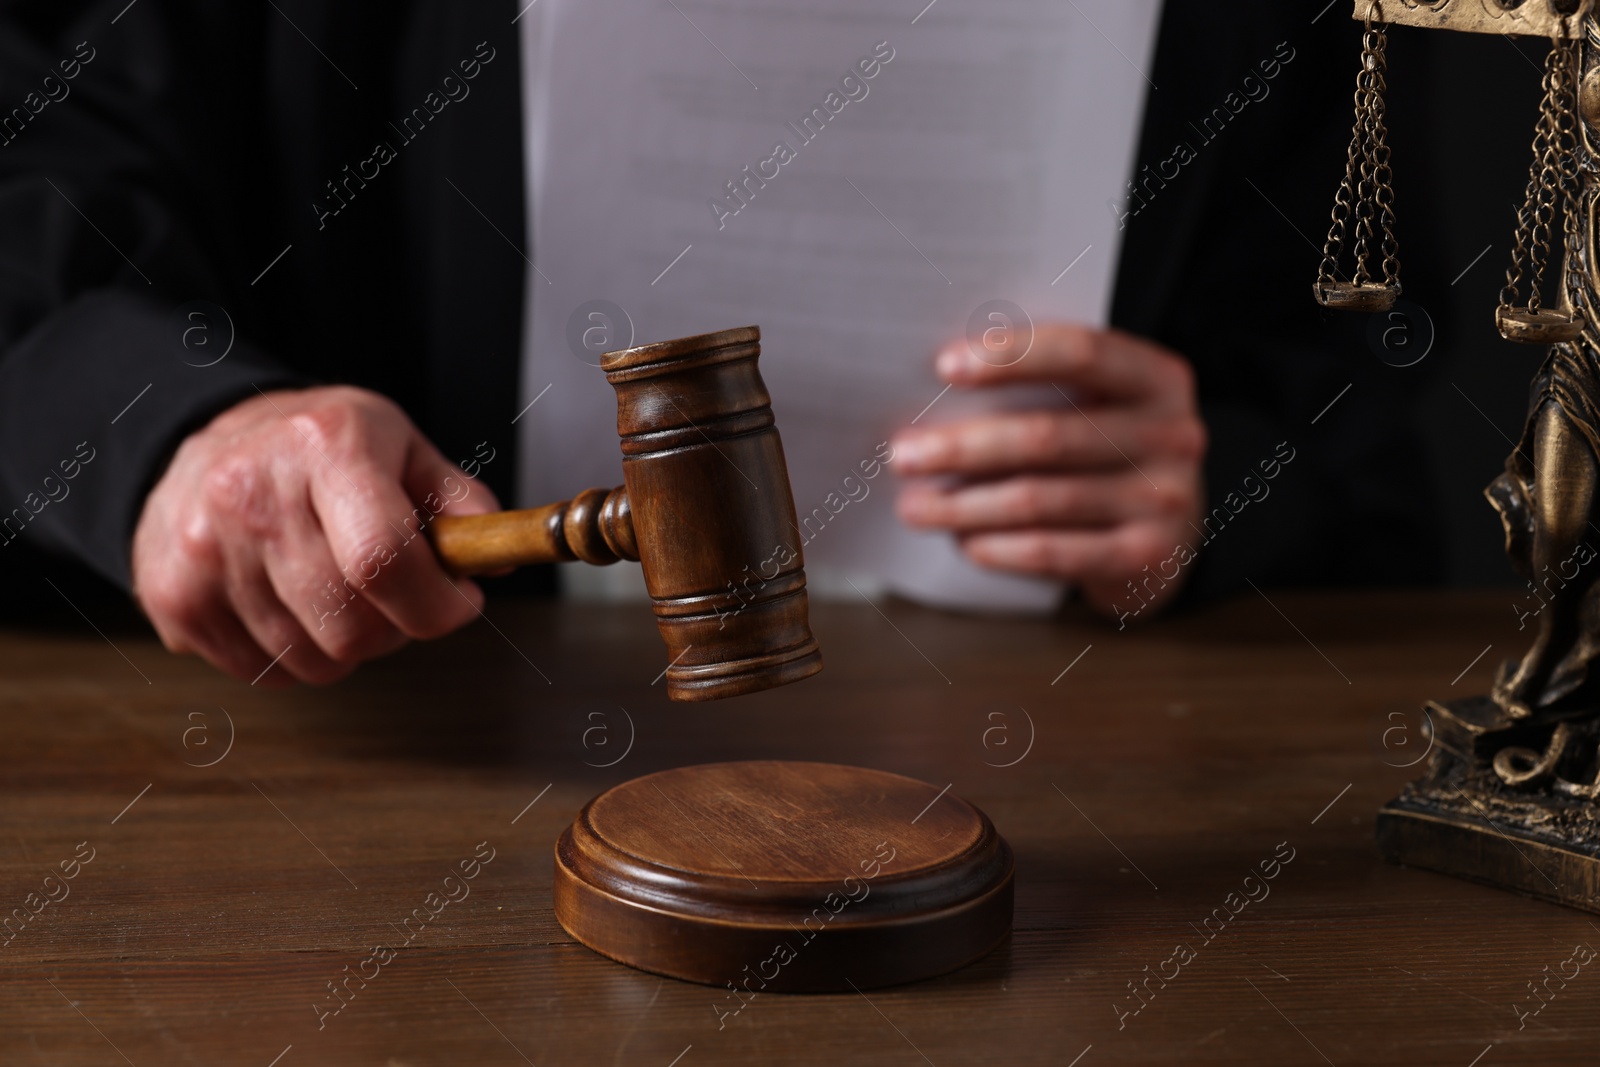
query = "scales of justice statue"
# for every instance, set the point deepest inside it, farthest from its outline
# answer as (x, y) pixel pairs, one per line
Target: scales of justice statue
(1511, 794)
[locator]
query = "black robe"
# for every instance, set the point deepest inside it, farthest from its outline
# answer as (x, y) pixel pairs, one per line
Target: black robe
(191, 159)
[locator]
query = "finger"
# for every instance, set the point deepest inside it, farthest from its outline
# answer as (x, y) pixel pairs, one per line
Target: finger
(1100, 557)
(1087, 501)
(290, 591)
(291, 651)
(1111, 438)
(377, 534)
(230, 646)
(191, 617)
(428, 471)
(1103, 363)
(261, 608)
(298, 605)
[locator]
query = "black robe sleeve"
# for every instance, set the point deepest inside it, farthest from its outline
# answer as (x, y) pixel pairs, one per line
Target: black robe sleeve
(102, 256)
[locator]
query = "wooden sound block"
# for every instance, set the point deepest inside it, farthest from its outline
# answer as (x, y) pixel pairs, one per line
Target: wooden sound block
(773, 876)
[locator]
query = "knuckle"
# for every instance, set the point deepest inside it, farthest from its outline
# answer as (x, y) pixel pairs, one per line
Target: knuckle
(1031, 500)
(178, 609)
(1175, 500)
(329, 426)
(950, 447)
(351, 631)
(343, 639)
(236, 486)
(1138, 547)
(195, 539)
(364, 560)
(1033, 552)
(333, 627)
(1044, 435)
(1181, 438)
(930, 508)
(275, 631)
(368, 401)
(365, 409)
(339, 621)
(344, 644)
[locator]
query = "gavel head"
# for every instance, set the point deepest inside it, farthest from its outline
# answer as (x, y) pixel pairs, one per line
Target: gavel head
(712, 514)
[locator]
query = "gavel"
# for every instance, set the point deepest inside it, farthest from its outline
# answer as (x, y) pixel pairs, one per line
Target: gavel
(705, 508)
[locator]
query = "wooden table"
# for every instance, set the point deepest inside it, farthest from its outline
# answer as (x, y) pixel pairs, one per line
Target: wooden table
(1166, 764)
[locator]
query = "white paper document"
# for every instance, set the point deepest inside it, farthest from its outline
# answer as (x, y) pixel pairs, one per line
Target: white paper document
(855, 179)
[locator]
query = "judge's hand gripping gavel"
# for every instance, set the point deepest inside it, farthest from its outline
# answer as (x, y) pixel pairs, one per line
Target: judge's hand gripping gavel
(706, 508)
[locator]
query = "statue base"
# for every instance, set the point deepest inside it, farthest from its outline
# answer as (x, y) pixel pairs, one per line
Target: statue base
(1461, 819)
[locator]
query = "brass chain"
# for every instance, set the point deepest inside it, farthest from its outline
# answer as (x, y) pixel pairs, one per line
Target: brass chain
(1378, 159)
(1366, 193)
(1552, 174)
(1568, 148)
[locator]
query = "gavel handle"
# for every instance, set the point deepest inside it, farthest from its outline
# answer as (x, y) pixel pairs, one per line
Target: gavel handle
(595, 526)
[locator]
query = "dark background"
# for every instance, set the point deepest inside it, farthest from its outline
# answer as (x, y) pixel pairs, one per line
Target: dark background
(1461, 115)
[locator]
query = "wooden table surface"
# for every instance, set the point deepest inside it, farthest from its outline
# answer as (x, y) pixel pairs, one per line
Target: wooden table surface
(1166, 764)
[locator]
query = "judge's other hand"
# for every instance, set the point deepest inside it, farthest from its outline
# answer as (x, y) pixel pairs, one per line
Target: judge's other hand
(289, 526)
(1093, 492)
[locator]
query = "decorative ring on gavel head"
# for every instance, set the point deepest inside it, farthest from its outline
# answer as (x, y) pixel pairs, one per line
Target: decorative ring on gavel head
(598, 526)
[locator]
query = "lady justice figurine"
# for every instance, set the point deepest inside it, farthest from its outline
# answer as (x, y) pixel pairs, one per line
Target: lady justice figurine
(1511, 796)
